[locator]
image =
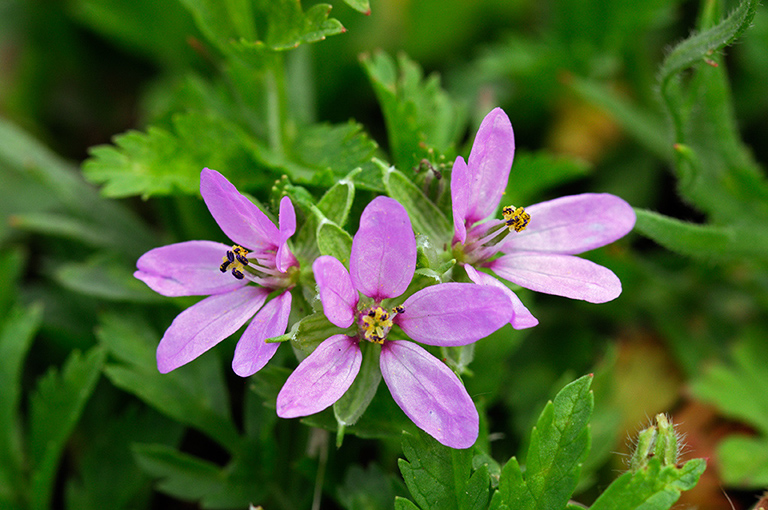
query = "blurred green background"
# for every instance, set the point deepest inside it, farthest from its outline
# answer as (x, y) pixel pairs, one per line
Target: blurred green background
(583, 84)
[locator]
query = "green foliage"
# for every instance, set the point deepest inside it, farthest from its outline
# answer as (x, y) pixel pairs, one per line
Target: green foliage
(422, 121)
(194, 395)
(16, 336)
(55, 408)
(732, 388)
(655, 487)
(559, 445)
(439, 477)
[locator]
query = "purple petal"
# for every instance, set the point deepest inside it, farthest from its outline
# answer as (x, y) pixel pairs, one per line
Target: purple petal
(522, 318)
(562, 275)
(205, 324)
(489, 164)
(284, 258)
(321, 379)
(238, 217)
(459, 199)
(573, 224)
(454, 313)
(337, 294)
(252, 351)
(429, 393)
(383, 257)
(190, 268)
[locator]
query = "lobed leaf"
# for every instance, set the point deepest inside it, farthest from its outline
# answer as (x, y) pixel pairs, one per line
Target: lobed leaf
(441, 478)
(559, 444)
(55, 408)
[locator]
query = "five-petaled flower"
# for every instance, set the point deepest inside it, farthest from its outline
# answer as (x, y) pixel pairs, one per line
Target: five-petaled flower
(382, 264)
(537, 243)
(225, 273)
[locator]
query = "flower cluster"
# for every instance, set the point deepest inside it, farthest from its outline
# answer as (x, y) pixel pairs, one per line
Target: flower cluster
(372, 301)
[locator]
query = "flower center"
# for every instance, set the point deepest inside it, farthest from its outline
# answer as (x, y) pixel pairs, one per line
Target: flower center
(515, 218)
(235, 260)
(376, 323)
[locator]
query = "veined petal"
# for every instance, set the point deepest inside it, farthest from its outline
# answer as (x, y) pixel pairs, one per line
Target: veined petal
(205, 324)
(459, 199)
(252, 351)
(284, 258)
(454, 313)
(522, 318)
(383, 257)
(562, 275)
(190, 268)
(337, 294)
(573, 224)
(429, 393)
(238, 217)
(489, 164)
(321, 379)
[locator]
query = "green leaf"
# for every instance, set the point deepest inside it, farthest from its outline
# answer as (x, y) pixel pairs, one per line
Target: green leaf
(194, 394)
(420, 116)
(652, 488)
(310, 331)
(716, 171)
(731, 387)
(331, 152)
(707, 241)
(363, 6)
(55, 409)
(18, 331)
(289, 26)
(405, 504)
(743, 462)
(105, 278)
(162, 162)
(190, 478)
(426, 218)
(440, 477)
(559, 445)
(53, 183)
(694, 49)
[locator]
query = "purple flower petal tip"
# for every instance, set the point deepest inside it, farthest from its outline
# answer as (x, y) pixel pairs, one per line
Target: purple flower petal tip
(452, 314)
(574, 224)
(383, 257)
(429, 393)
(321, 379)
(561, 275)
(238, 217)
(521, 318)
(338, 296)
(252, 351)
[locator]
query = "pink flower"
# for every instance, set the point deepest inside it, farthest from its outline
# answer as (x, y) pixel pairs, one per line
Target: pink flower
(225, 274)
(541, 240)
(382, 264)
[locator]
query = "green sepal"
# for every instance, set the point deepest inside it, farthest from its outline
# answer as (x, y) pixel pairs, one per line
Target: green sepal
(351, 406)
(310, 331)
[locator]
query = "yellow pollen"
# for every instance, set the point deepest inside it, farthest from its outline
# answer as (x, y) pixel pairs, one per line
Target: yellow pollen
(515, 218)
(235, 260)
(377, 322)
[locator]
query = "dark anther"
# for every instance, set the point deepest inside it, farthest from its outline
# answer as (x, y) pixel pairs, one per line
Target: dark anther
(237, 274)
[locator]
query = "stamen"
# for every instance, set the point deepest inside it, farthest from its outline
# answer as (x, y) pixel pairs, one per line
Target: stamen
(515, 218)
(236, 259)
(377, 322)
